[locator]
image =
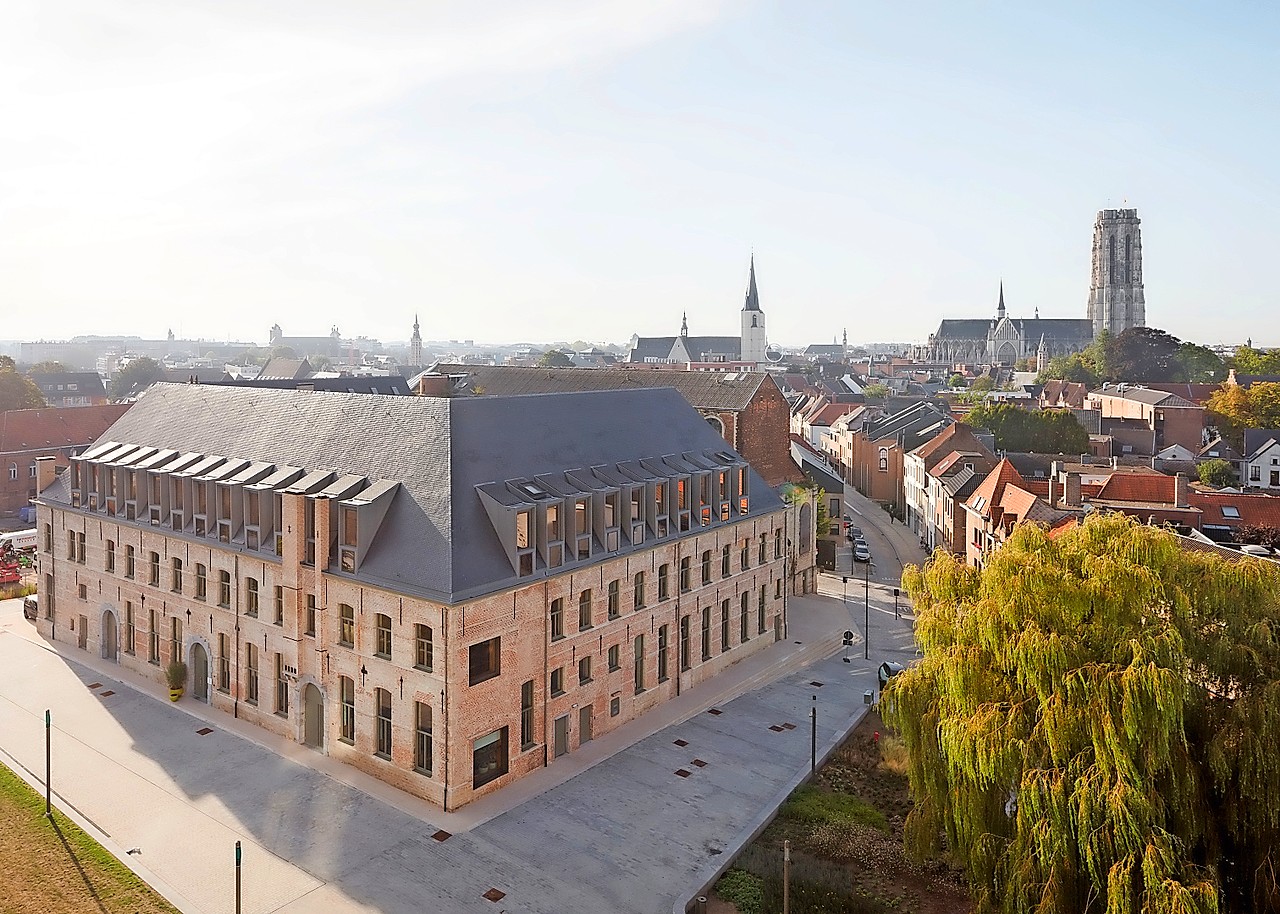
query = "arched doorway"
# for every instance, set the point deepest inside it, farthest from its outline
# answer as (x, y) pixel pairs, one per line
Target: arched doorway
(199, 672)
(312, 716)
(110, 648)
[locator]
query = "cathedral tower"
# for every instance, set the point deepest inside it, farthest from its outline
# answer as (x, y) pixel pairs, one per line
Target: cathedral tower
(415, 344)
(754, 341)
(1116, 302)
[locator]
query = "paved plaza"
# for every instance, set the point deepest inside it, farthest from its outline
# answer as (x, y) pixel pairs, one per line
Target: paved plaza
(637, 821)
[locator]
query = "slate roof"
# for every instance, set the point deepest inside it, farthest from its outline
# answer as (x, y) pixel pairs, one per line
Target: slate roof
(55, 385)
(53, 427)
(1257, 440)
(702, 346)
(963, 330)
(392, 385)
(436, 539)
(714, 390)
(286, 368)
(651, 347)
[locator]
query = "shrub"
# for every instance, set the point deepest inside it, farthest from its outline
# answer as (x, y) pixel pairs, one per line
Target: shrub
(811, 806)
(176, 674)
(743, 890)
(13, 591)
(893, 755)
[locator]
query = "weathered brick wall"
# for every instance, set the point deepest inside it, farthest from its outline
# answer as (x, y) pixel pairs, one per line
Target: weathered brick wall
(764, 436)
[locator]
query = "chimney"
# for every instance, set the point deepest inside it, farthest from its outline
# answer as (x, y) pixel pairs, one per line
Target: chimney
(46, 472)
(433, 385)
(1053, 486)
(1072, 494)
(1181, 491)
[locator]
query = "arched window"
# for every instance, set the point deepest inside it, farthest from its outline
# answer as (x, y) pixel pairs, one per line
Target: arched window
(884, 459)
(1111, 258)
(714, 422)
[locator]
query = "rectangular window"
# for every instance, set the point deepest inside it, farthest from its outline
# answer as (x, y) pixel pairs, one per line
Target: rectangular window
(764, 540)
(777, 543)
(129, 632)
(686, 575)
(382, 625)
(422, 741)
(489, 758)
(111, 555)
(524, 529)
(346, 625)
(706, 633)
(725, 555)
(746, 554)
(484, 661)
(202, 582)
(347, 695)
(706, 566)
(153, 638)
(423, 647)
(638, 600)
(382, 701)
(153, 569)
(584, 610)
(71, 546)
(175, 639)
(557, 618)
(349, 529)
(557, 682)
(282, 688)
(48, 537)
(684, 643)
(664, 583)
(47, 598)
(614, 610)
(724, 626)
(760, 612)
(311, 613)
(584, 670)
(526, 715)
(553, 523)
(224, 591)
(277, 604)
(745, 634)
(615, 706)
(639, 661)
(224, 663)
(175, 584)
(251, 673)
(614, 660)
(129, 562)
(250, 593)
(80, 552)
(662, 653)
(84, 591)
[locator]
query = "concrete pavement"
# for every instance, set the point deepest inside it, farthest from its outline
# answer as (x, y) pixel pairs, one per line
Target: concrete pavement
(612, 827)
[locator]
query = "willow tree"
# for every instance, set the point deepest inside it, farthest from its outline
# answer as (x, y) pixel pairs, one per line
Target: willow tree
(1095, 725)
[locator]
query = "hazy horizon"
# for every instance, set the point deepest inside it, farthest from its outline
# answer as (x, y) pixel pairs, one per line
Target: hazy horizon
(590, 170)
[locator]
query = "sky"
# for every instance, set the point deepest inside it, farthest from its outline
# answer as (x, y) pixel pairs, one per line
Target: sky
(590, 169)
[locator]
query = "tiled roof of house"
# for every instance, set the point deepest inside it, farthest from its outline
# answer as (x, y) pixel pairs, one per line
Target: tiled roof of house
(1149, 488)
(436, 538)
(1144, 395)
(57, 384)
(988, 493)
(1229, 509)
(718, 390)
(71, 426)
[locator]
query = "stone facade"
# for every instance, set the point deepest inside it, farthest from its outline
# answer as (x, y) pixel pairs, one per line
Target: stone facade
(1116, 300)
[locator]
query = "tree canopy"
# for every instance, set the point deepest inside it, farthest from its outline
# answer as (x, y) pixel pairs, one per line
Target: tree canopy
(1094, 724)
(1236, 408)
(1018, 429)
(1216, 472)
(1248, 360)
(1139, 354)
(554, 358)
(140, 373)
(17, 391)
(49, 366)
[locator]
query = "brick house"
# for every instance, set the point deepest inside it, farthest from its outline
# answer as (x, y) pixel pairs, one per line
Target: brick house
(70, 388)
(445, 593)
(28, 434)
(1145, 421)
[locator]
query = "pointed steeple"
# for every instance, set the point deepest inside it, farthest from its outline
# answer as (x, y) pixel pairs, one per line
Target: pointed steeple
(417, 335)
(1000, 307)
(684, 324)
(753, 297)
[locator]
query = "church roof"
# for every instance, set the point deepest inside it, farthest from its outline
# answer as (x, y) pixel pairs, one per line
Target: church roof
(963, 329)
(700, 346)
(1056, 328)
(753, 297)
(651, 347)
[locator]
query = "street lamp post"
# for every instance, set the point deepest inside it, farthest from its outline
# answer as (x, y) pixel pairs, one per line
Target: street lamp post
(866, 620)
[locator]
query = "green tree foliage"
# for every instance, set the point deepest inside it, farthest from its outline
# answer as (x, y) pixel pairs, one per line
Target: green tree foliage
(1200, 364)
(876, 391)
(956, 380)
(1093, 727)
(555, 359)
(47, 367)
(1018, 429)
(1256, 361)
(17, 391)
(1075, 367)
(1139, 354)
(983, 384)
(1236, 408)
(138, 375)
(1143, 354)
(1217, 473)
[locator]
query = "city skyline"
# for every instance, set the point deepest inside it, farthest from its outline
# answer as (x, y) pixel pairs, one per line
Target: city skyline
(590, 171)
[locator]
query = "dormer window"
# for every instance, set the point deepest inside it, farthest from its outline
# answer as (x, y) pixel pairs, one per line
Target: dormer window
(524, 529)
(611, 510)
(553, 523)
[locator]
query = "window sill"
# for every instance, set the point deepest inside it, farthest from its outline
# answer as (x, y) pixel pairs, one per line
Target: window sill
(308, 634)
(422, 669)
(559, 694)
(284, 715)
(527, 746)
(583, 682)
(425, 772)
(614, 669)
(382, 755)
(382, 656)
(641, 691)
(555, 638)
(585, 628)
(662, 679)
(346, 644)
(346, 739)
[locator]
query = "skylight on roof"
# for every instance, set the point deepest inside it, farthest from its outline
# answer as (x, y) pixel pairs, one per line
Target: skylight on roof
(1230, 511)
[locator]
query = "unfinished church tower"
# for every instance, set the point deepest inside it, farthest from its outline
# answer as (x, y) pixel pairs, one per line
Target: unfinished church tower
(1116, 302)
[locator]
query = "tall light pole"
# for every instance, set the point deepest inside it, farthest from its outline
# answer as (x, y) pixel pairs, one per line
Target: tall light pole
(866, 621)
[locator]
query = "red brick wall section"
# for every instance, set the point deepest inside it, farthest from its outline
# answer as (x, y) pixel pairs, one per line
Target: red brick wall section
(764, 436)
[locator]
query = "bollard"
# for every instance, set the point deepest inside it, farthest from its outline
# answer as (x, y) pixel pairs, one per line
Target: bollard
(700, 905)
(48, 763)
(237, 877)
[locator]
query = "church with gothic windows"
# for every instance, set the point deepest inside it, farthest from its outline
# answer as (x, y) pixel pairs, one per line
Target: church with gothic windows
(1116, 303)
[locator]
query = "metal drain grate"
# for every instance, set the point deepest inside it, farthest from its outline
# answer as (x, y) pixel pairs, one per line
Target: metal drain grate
(714, 711)
(699, 763)
(776, 729)
(788, 726)
(495, 895)
(683, 773)
(682, 743)
(816, 684)
(95, 685)
(204, 731)
(442, 835)
(106, 693)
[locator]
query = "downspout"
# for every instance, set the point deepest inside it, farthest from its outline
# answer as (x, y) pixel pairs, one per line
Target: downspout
(546, 661)
(444, 700)
(235, 710)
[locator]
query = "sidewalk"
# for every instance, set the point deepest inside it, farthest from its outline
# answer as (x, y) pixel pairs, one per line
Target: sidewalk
(611, 827)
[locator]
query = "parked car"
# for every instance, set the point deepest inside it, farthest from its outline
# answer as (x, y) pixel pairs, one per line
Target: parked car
(31, 607)
(861, 552)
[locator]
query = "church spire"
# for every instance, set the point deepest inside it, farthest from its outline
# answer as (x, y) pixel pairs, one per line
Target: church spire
(753, 297)
(1000, 307)
(415, 343)
(684, 324)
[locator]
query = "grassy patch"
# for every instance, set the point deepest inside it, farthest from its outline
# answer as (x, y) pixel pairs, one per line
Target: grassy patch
(52, 867)
(893, 755)
(811, 806)
(743, 890)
